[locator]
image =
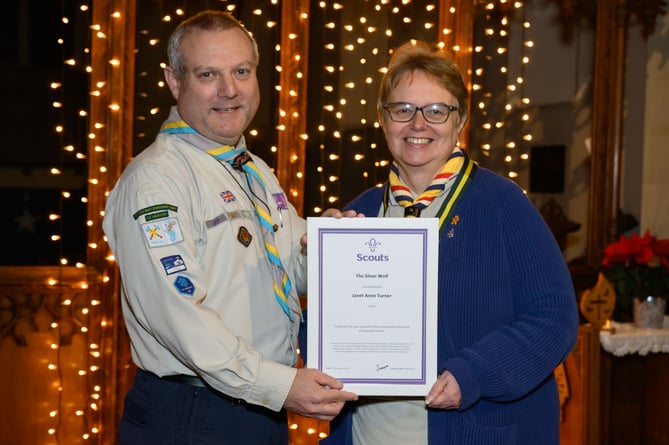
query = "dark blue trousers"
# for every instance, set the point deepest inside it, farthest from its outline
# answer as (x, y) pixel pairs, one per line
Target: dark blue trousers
(161, 412)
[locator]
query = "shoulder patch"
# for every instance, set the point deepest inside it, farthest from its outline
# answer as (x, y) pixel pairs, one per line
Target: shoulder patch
(184, 285)
(155, 208)
(163, 232)
(173, 264)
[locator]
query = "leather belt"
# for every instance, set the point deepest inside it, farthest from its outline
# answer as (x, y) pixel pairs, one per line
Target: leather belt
(185, 380)
(198, 382)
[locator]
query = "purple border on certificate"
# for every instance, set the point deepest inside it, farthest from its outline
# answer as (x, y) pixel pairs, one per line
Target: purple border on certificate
(348, 231)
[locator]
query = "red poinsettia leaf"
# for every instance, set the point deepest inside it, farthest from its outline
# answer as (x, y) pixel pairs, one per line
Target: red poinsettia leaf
(637, 265)
(662, 248)
(662, 252)
(644, 256)
(622, 251)
(664, 263)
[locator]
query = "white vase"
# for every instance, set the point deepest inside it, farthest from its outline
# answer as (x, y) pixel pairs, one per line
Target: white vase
(649, 312)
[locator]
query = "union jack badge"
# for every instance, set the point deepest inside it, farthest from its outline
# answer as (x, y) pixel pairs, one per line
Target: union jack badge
(227, 196)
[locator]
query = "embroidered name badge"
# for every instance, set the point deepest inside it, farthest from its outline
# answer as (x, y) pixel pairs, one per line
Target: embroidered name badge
(281, 201)
(227, 197)
(244, 237)
(184, 285)
(164, 232)
(173, 264)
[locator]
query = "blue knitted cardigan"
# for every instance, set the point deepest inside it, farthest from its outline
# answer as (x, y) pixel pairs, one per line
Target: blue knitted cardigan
(507, 317)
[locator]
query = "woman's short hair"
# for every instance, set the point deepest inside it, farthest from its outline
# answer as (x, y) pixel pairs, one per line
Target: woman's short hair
(433, 61)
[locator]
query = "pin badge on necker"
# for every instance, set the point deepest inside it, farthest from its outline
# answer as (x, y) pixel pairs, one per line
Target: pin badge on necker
(244, 237)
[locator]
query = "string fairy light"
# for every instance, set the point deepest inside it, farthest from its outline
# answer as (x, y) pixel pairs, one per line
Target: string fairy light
(69, 310)
(345, 140)
(501, 137)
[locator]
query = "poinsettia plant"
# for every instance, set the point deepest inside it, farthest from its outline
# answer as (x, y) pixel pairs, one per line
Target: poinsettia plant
(637, 267)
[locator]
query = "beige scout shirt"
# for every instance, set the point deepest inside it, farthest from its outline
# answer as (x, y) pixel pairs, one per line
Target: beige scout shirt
(196, 282)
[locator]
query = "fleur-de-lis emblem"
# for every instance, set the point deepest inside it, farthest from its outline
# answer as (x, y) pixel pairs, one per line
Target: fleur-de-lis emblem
(372, 244)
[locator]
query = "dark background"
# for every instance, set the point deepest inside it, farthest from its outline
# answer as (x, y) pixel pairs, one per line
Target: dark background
(31, 58)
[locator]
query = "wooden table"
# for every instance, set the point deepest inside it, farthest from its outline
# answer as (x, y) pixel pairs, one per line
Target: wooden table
(635, 386)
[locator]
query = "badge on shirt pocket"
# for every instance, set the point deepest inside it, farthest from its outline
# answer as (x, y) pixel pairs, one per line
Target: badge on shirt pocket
(244, 236)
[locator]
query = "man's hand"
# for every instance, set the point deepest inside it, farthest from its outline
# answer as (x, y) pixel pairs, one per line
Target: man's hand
(316, 394)
(445, 393)
(336, 213)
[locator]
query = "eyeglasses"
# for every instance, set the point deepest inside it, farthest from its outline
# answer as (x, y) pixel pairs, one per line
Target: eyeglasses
(405, 112)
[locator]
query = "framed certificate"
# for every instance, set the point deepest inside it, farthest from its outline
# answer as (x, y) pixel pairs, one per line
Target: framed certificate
(371, 303)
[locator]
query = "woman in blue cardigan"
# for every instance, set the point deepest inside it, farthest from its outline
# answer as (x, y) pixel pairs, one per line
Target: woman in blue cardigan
(507, 309)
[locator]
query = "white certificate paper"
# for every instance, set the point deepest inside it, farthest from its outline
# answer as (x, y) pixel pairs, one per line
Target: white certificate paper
(372, 303)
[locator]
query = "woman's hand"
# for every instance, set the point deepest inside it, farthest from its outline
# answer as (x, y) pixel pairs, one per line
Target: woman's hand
(445, 393)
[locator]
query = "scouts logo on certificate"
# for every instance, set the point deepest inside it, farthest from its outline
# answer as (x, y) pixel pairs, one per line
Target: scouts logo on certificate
(372, 244)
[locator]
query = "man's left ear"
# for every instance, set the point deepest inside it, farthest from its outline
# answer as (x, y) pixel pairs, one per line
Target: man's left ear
(172, 82)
